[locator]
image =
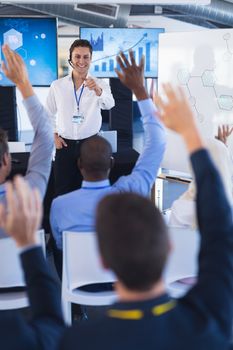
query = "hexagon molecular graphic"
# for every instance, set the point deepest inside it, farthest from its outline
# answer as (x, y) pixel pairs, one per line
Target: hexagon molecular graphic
(183, 76)
(208, 78)
(227, 36)
(32, 63)
(13, 38)
(225, 102)
(192, 100)
(200, 117)
(227, 56)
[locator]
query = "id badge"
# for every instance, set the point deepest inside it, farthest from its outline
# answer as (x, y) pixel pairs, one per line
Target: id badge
(78, 119)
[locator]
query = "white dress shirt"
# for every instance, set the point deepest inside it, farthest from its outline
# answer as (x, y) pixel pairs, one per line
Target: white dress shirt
(62, 105)
(183, 213)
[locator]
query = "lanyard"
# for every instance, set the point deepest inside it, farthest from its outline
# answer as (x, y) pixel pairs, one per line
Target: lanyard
(139, 314)
(78, 98)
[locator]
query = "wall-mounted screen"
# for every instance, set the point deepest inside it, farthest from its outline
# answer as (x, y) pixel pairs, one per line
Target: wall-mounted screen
(35, 40)
(107, 42)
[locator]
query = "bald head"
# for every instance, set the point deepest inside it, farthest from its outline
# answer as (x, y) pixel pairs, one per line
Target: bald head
(95, 157)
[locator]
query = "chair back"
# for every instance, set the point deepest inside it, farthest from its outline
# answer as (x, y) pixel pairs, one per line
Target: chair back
(81, 261)
(182, 262)
(111, 137)
(11, 273)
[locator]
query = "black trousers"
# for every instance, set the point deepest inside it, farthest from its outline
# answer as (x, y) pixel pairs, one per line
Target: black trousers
(67, 176)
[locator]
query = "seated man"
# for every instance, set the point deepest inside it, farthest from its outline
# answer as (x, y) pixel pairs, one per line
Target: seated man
(21, 220)
(134, 243)
(183, 209)
(39, 163)
(75, 211)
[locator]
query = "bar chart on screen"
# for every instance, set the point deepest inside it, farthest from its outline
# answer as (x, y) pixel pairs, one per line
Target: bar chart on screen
(108, 42)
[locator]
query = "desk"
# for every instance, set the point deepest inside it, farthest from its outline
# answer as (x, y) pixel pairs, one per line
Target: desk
(124, 163)
(174, 178)
(169, 186)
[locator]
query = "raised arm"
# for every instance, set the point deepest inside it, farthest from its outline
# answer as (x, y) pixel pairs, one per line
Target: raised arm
(145, 171)
(41, 153)
(212, 295)
(20, 220)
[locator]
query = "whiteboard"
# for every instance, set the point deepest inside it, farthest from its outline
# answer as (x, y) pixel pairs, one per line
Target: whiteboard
(202, 63)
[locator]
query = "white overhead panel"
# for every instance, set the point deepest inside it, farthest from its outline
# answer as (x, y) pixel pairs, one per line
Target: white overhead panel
(150, 2)
(120, 2)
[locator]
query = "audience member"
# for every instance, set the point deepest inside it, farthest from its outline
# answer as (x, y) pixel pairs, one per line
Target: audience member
(134, 243)
(224, 131)
(21, 220)
(183, 210)
(41, 152)
(75, 211)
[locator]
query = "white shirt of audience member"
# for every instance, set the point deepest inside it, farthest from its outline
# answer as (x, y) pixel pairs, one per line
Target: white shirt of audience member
(183, 210)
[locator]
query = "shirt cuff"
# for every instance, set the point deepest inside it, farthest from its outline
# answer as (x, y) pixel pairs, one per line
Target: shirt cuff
(146, 106)
(103, 94)
(31, 101)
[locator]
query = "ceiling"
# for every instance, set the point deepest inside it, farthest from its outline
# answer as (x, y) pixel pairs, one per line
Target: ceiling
(217, 15)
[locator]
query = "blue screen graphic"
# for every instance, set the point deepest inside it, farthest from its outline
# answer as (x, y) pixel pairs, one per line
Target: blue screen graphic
(108, 42)
(35, 40)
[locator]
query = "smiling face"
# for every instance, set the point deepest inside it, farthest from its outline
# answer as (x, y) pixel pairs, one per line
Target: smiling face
(81, 60)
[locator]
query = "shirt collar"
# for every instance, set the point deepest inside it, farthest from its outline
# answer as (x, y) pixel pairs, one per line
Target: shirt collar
(92, 184)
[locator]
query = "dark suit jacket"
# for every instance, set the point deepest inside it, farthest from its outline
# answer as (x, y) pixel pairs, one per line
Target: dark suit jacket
(201, 320)
(46, 325)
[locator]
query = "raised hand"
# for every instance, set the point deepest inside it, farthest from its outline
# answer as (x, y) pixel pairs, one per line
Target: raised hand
(224, 131)
(21, 216)
(175, 112)
(16, 71)
(91, 84)
(132, 75)
(59, 142)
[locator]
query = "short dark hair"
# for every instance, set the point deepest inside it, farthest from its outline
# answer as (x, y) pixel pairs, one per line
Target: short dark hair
(4, 148)
(133, 239)
(95, 155)
(80, 43)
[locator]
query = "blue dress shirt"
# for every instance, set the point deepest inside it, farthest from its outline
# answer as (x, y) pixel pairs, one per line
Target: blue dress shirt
(75, 211)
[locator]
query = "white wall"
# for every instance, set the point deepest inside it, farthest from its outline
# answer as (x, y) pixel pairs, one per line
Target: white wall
(170, 25)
